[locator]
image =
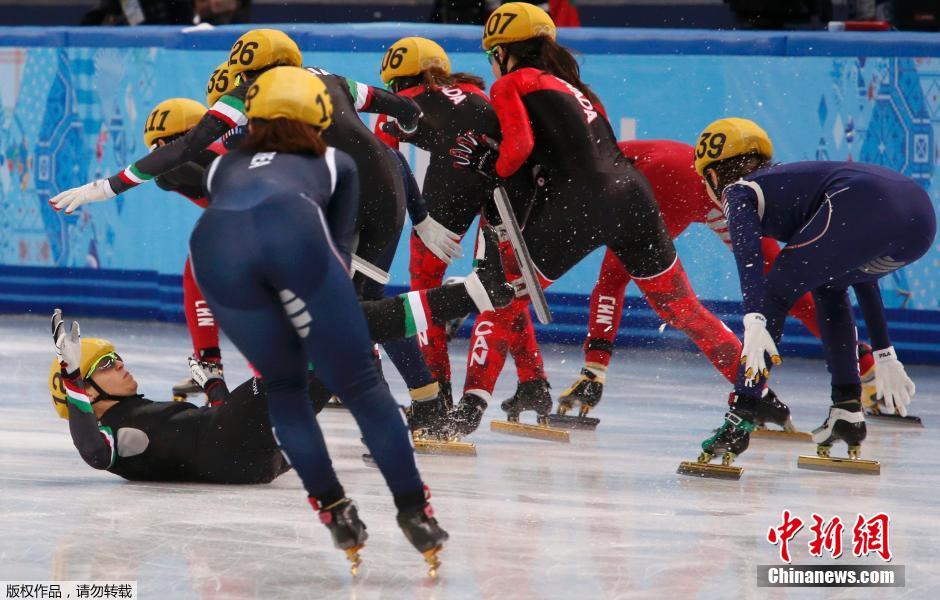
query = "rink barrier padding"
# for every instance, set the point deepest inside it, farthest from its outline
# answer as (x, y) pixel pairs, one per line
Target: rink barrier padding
(148, 295)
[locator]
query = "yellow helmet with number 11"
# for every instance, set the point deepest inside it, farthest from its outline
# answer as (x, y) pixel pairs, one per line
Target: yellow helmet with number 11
(290, 93)
(727, 138)
(260, 48)
(172, 117)
(410, 56)
(516, 22)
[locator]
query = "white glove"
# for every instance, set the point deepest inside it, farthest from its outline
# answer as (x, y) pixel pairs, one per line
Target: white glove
(892, 382)
(205, 374)
(756, 342)
(68, 346)
(96, 191)
(441, 241)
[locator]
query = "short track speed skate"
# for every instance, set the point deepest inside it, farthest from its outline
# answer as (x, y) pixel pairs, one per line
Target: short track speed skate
(432, 431)
(530, 395)
(586, 393)
(875, 409)
(846, 422)
(184, 388)
(770, 410)
(731, 439)
(424, 533)
(349, 533)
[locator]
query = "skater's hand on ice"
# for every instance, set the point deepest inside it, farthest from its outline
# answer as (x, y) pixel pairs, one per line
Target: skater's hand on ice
(96, 191)
(892, 383)
(475, 151)
(68, 345)
(441, 241)
(205, 374)
(757, 341)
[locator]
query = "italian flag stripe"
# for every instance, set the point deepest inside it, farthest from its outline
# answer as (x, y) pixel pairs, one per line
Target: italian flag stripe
(231, 110)
(77, 398)
(361, 92)
(109, 438)
(134, 176)
(416, 313)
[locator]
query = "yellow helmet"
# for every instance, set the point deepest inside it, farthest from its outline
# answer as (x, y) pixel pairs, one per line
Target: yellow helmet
(727, 138)
(92, 350)
(516, 22)
(290, 93)
(260, 48)
(412, 55)
(221, 82)
(172, 117)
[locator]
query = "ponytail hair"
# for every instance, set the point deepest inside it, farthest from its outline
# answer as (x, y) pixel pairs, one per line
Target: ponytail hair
(546, 54)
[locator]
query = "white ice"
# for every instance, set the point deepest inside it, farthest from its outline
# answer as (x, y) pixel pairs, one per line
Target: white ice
(603, 517)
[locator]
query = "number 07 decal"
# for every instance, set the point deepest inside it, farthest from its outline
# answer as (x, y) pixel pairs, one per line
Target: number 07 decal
(497, 24)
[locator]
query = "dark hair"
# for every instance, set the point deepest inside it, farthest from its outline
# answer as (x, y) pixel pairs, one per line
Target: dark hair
(544, 53)
(732, 169)
(282, 135)
(435, 77)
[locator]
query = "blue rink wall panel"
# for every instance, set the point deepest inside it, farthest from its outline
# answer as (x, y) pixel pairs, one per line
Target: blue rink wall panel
(74, 102)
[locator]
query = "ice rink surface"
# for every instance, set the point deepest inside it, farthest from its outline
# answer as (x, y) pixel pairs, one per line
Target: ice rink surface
(603, 517)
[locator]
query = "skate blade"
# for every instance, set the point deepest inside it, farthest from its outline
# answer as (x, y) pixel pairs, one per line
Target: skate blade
(434, 563)
(573, 422)
(697, 469)
(334, 403)
(450, 447)
(352, 555)
(843, 465)
(779, 434)
(369, 461)
(540, 432)
(897, 419)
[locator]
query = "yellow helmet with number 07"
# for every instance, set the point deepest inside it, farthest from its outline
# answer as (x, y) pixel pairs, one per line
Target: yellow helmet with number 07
(172, 117)
(221, 82)
(516, 22)
(260, 48)
(727, 138)
(93, 350)
(410, 56)
(290, 93)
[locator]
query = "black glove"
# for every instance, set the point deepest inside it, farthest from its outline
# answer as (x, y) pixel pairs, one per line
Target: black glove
(397, 130)
(476, 151)
(409, 123)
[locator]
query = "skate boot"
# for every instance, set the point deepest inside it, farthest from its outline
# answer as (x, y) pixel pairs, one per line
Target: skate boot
(465, 419)
(846, 422)
(349, 533)
(530, 395)
(586, 392)
(730, 440)
(769, 409)
(489, 269)
(424, 533)
(870, 402)
(432, 430)
(184, 388)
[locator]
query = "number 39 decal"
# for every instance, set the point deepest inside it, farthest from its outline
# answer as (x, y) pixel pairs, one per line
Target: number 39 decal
(710, 144)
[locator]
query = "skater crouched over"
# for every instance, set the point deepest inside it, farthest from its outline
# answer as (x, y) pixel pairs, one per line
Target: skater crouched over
(271, 255)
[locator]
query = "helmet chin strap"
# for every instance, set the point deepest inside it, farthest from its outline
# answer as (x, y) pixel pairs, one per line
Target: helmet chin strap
(503, 64)
(103, 395)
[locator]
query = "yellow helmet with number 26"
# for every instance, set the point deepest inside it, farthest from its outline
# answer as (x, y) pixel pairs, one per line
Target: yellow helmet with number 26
(172, 117)
(516, 22)
(412, 55)
(92, 350)
(727, 138)
(260, 48)
(290, 93)
(221, 82)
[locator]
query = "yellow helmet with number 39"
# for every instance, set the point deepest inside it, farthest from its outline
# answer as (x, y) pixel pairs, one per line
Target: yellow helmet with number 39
(516, 22)
(172, 117)
(727, 138)
(412, 55)
(290, 93)
(221, 82)
(260, 48)
(92, 350)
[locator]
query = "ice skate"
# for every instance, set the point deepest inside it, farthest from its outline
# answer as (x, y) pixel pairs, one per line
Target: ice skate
(465, 419)
(730, 440)
(585, 392)
(530, 395)
(769, 409)
(873, 407)
(424, 533)
(184, 388)
(349, 533)
(431, 428)
(846, 422)
(334, 402)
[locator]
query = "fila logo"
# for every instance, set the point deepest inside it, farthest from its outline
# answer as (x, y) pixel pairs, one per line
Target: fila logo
(480, 347)
(455, 95)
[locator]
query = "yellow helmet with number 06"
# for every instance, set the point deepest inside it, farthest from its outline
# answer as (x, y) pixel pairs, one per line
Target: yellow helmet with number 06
(221, 82)
(260, 48)
(516, 22)
(727, 138)
(412, 55)
(172, 117)
(92, 350)
(290, 93)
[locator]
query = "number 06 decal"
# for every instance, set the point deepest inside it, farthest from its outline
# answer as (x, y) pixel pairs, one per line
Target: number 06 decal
(393, 58)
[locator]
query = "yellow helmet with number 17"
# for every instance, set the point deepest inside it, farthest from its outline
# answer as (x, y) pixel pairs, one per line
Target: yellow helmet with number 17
(172, 117)
(290, 93)
(260, 48)
(727, 138)
(516, 22)
(410, 56)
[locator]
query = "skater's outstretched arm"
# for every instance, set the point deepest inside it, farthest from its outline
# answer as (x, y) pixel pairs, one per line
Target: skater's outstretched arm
(740, 204)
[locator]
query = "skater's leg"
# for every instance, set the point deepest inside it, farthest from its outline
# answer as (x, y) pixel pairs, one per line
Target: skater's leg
(840, 344)
(523, 347)
(606, 310)
(804, 309)
(199, 320)
(427, 271)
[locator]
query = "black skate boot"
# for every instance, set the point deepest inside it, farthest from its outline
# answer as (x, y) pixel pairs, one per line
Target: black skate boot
(586, 392)
(432, 429)
(770, 409)
(349, 533)
(422, 530)
(489, 269)
(465, 419)
(530, 395)
(846, 422)
(730, 440)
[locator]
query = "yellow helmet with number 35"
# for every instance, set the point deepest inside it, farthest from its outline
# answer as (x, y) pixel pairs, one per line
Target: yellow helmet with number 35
(412, 55)
(260, 48)
(290, 93)
(727, 138)
(221, 82)
(516, 22)
(92, 350)
(172, 117)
